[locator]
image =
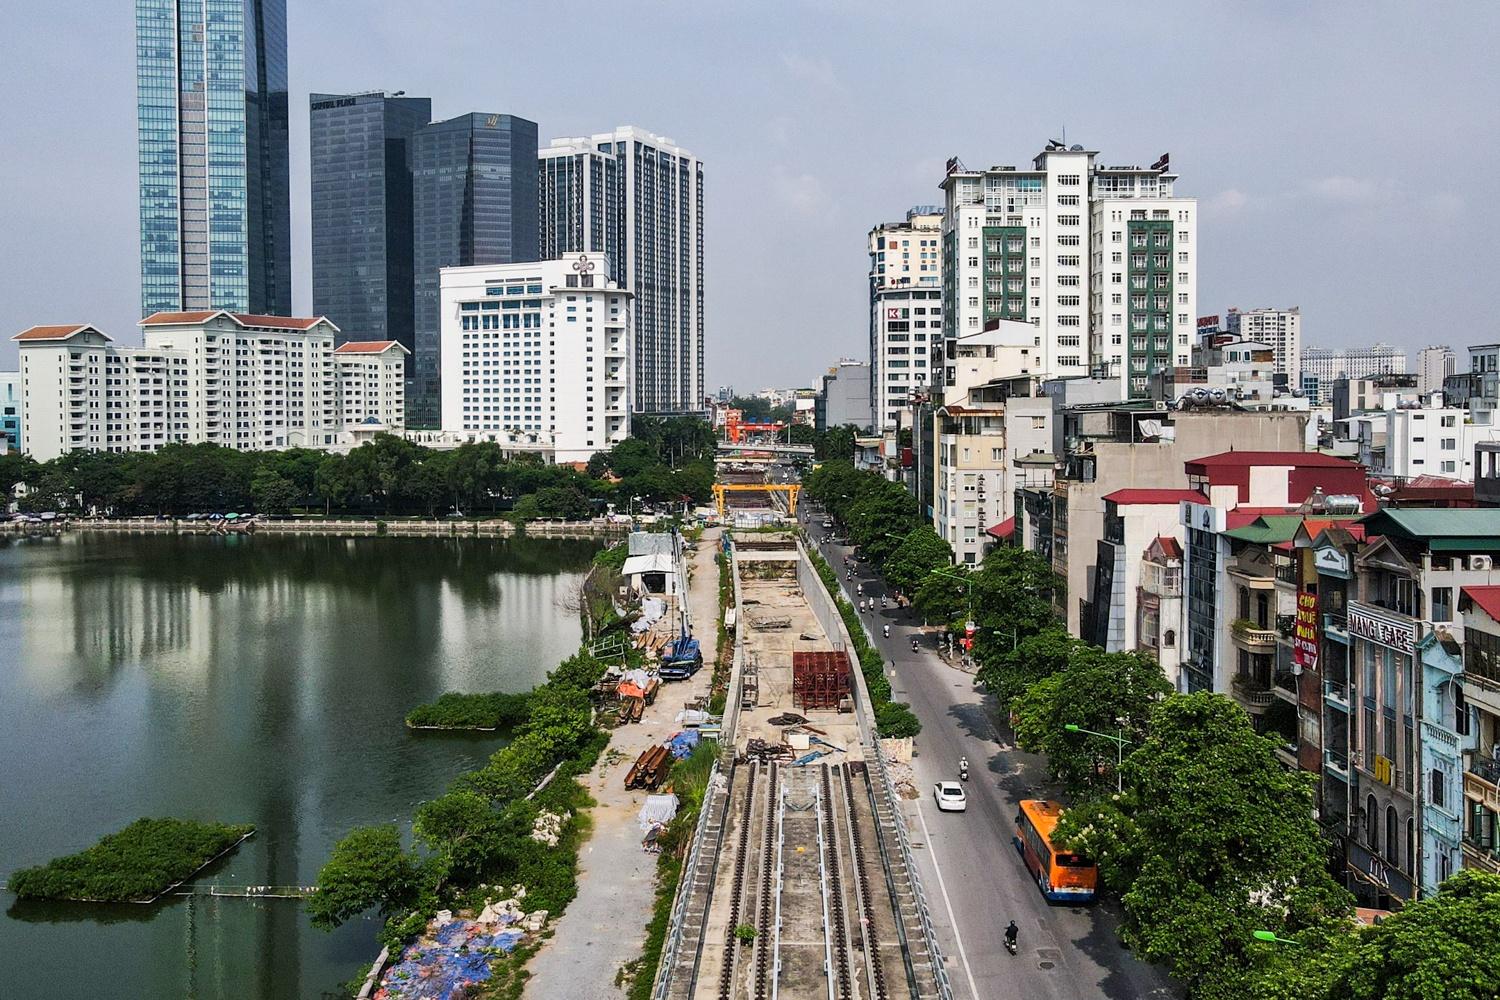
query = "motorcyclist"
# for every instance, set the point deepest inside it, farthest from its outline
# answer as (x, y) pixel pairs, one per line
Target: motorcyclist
(963, 767)
(859, 589)
(887, 631)
(1010, 936)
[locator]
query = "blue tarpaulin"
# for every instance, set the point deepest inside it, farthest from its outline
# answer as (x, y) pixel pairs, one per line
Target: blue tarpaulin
(682, 744)
(458, 958)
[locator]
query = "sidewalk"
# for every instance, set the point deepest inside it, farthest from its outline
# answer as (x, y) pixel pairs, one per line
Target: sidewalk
(602, 928)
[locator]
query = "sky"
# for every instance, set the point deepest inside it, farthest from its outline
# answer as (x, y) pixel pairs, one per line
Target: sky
(1343, 154)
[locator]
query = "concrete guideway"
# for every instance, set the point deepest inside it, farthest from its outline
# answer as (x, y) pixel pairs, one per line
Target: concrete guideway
(601, 929)
(975, 879)
(807, 857)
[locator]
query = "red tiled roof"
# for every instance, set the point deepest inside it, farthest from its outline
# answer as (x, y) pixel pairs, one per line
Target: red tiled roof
(55, 332)
(1487, 598)
(1003, 530)
(1156, 496)
(243, 319)
(365, 346)
(1301, 459)
(1170, 547)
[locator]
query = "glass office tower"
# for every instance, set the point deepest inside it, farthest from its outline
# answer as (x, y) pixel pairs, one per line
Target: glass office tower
(474, 201)
(211, 89)
(361, 212)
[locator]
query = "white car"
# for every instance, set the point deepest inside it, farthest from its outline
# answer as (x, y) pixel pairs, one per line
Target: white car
(950, 796)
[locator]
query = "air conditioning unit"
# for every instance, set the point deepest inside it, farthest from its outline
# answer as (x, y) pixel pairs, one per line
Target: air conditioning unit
(1480, 563)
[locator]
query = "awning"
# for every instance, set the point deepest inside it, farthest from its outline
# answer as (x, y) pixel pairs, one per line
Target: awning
(1002, 531)
(656, 562)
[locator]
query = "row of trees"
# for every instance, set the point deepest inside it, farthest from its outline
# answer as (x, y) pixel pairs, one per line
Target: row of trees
(666, 462)
(1203, 834)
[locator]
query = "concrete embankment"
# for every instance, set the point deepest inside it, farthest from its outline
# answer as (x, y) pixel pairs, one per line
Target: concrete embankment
(344, 527)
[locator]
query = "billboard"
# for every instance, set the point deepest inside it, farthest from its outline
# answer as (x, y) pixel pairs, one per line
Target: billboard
(1305, 632)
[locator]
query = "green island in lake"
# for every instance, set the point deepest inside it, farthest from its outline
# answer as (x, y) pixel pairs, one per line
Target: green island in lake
(136, 865)
(470, 711)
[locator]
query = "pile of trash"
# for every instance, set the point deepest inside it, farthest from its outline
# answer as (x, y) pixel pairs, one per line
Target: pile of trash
(454, 954)
(547, 828)
(904, 778)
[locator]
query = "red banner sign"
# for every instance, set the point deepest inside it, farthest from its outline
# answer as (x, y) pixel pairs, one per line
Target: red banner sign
(1305, 632)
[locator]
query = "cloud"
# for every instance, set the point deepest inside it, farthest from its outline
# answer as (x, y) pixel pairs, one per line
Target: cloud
(1341, 189)
(1226, 203)
(817, 73)
(804, 194)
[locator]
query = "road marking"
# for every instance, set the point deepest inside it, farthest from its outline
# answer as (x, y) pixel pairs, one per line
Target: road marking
(952, 920)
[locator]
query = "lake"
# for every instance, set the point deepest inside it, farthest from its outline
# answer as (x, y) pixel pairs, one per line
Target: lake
(245, 679)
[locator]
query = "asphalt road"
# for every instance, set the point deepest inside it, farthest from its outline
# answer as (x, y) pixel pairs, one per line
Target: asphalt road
(973, 877)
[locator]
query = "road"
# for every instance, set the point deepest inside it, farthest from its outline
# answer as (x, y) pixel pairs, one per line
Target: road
(973, 877)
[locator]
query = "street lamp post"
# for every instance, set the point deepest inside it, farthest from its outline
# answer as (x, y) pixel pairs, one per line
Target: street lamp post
(1119, 742)
(1270, 938)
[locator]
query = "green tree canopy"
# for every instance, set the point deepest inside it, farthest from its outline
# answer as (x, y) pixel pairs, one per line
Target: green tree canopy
(367, 868)
(1010, 672)
(915, 557)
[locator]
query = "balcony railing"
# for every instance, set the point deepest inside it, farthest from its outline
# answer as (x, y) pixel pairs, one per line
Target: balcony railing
(1251, 693)
(1286, 681)
(1486, 768)
(1337, 690)
(1252, 635)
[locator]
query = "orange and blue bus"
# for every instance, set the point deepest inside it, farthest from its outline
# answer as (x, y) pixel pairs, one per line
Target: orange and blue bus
(1062, 876)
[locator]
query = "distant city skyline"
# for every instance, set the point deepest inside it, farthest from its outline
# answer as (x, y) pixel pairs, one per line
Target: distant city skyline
(1299, 204)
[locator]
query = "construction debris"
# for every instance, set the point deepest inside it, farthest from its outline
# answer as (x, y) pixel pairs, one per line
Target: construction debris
(547, 828)
(786, 719)
(650, 768)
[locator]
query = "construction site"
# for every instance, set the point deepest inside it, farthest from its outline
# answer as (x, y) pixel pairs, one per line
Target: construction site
(799, 881)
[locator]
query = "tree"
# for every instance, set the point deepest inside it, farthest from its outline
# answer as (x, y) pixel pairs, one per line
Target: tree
(881, 517)
(15, 469)
(367, 868)
(1106, 692)
(463, 827)
(272, 492)
(333, 482)
(1212, 840)
(915, 557)
(1034, 657)
(1443, 946)
(838, 444)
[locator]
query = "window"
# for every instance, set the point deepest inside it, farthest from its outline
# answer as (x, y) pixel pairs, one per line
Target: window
(1068, 261)
(1169, 638)
(1449, 444)
(1068, 180)
(1068, 220)
(1438, 787)
(1392, 836)
(1372, 823)
(1244, 602)
(1442, 604)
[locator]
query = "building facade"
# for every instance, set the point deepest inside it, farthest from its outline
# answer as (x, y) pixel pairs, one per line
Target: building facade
(362, 268)
(1434, 364)
(254, 383)
(1101, 260)
(12, 413)
(215, 210)
(906, 311)
(372, 383)
(543, 348)
(843, 397)
(637, 198)
(474, 201)
(1278, 329)
(1328, 365)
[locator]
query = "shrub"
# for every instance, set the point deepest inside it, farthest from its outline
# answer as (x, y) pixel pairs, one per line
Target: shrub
(471, 711)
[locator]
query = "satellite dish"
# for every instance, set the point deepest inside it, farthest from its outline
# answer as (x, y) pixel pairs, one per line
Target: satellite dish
(1076, 148)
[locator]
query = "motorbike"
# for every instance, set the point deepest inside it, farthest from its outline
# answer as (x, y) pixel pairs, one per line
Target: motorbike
(887, 631)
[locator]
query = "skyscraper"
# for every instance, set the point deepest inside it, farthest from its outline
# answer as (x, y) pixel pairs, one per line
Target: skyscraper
(638, 197)
(1279, 329)
(211, 94)
(906, 310)
(474, 201)
(361, 212)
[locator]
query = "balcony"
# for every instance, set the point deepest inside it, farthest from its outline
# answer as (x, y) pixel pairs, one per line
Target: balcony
(1284, 686)
(1255, 696)
(1252, 636)
(1336, 761)
(1480, 854)
(1336, 692)
(1482, 783)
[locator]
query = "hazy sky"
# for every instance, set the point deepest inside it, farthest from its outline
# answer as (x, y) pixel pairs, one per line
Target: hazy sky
(1338, 150)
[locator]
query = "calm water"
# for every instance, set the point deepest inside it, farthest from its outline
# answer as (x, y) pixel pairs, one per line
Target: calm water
(250, 680)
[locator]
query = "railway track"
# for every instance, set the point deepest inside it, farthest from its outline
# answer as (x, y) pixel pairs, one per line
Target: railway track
(874, 967)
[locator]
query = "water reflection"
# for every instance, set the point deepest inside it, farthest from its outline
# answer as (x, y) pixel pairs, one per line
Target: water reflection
(257, 680)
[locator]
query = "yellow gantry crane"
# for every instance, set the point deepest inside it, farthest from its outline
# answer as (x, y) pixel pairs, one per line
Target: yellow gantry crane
(790, 489)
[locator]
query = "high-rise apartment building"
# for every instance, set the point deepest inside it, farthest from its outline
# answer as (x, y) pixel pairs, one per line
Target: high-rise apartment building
(474, 201)
(372, 383)
(11, 411)
(1328, 365)
(637, 198)
(1433, 365)
(215, 216)
(540, 347)
(362, 214)
(254, 383)
(1279, 329)
(1100, 259)
(906, 309)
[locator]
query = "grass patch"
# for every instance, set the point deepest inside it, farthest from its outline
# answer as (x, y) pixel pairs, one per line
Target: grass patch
(134, 865)
(470, 711)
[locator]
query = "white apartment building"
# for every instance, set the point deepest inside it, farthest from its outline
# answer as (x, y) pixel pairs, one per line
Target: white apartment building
(1420, 438)
(543, 347)
(1328, 365)
(906, 311)
(247, 382)
(372, 383)
(1434, 364)
(994, 413)
(1280, 329)
(1101, 260)
(637, 198)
